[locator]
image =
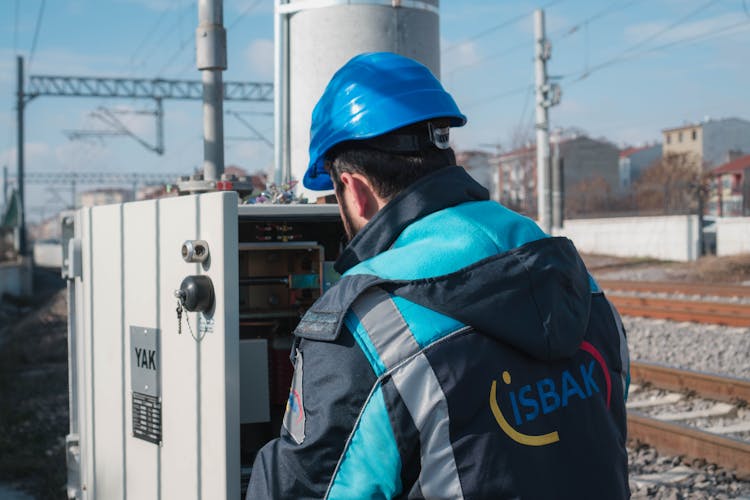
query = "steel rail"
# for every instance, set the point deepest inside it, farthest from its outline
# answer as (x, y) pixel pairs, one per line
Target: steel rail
(679, 439)
(706, 385)
(673, 287)
(684, 310)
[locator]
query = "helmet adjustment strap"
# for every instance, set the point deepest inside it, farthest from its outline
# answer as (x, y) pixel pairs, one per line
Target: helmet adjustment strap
(439, 136)
(409, 143)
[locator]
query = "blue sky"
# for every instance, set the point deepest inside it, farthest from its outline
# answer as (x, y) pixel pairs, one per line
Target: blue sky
(653, 64)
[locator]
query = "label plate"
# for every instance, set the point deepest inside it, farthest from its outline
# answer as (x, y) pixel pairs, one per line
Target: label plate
(145, 383)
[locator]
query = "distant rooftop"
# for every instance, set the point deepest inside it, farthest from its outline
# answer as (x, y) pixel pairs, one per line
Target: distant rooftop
(519, 151)
(705, 120)
(634, 149)
(734, 166)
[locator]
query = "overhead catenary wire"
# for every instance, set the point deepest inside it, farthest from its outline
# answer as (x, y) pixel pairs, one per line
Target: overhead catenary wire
(722, 31)
(145, 39)
(180, 12)
(496, 27)
(507, 93)
(647, 39)
(242, 15)
(15, 28)
(562, 33)
(37, 29)
(616, 6)
(628, 55)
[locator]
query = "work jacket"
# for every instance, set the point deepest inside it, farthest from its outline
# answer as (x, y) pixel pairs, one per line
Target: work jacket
(463, 354)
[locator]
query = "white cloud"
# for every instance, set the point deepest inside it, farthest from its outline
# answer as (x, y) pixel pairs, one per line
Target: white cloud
(82, 155)
(253, 156)
(260, 58)
(37, 154)
(461, 54)
(58, 61)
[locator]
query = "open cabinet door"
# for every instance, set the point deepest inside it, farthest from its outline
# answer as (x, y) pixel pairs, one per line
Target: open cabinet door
(157, 402)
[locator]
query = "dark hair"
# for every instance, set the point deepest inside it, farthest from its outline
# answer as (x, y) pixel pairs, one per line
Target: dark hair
(390, 172)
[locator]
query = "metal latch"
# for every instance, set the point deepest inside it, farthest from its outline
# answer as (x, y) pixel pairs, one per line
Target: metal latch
(73, 265)
(73, 461)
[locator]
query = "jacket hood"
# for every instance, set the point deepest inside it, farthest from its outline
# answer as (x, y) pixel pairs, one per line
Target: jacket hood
(535, 298)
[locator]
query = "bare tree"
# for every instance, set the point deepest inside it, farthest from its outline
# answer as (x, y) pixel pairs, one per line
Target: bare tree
(672, 185)
(588, 197)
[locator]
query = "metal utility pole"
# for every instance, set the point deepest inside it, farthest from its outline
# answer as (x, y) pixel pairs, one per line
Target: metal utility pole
(20, 155)
(211, 60)
(541, 54)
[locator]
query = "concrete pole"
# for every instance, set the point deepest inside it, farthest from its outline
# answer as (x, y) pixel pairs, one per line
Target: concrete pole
(281, 151)
(211, 58)
(20, 154)
(557, 185)
(544, 209)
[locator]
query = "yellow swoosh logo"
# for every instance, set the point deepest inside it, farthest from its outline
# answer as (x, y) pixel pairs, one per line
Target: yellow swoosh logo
(541, 440)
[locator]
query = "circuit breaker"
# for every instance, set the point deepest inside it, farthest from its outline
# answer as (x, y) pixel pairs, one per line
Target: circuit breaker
(182, 313)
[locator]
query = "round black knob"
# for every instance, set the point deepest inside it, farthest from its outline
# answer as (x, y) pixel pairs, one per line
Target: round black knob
(197, 293)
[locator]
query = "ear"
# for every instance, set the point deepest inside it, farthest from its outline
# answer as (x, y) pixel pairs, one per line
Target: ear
(365, 202)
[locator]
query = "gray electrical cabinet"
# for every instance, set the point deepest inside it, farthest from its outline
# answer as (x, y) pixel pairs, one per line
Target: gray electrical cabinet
(180, 328)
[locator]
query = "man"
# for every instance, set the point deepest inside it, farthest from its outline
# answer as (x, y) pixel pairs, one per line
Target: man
(463, 354)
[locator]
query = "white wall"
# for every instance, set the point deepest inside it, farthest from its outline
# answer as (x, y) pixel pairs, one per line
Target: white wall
(732, 235)
(16, 278)
(48, 255)
(667, 237)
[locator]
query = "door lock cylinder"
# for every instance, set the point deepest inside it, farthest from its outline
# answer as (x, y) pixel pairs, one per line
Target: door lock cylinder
(196, 293)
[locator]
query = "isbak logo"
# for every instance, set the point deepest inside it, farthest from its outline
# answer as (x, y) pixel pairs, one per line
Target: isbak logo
(548, 395)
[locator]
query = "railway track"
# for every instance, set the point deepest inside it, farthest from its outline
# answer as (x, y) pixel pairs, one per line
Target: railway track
(683, 310)
(713, 312)
(676, 287)
(681, 439)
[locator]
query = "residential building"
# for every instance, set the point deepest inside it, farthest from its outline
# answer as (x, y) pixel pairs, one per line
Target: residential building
(154, 191)
(634, 160)
(709, 142)
(103, 196)
(730, 190)
(587, 165)
(584, 158)
(515, 174)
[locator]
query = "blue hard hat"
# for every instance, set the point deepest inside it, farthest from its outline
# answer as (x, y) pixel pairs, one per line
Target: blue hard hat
(371, 95)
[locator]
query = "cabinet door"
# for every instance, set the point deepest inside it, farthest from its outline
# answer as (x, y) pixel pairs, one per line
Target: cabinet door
(158, 401)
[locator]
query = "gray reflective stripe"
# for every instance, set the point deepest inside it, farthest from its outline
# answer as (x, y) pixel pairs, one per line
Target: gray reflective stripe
(291, 8)
(421, 392)
(624, 353)
(385, 326)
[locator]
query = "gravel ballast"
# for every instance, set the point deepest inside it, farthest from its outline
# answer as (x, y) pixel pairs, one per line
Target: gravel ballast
(709, 348)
